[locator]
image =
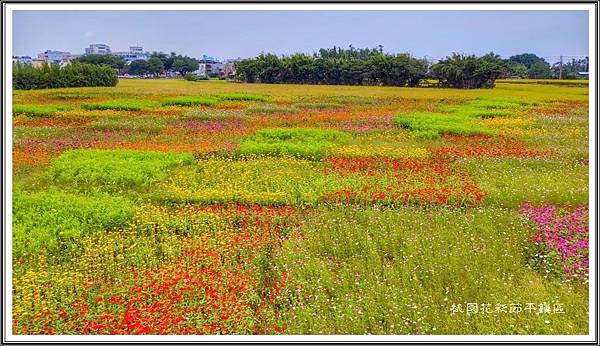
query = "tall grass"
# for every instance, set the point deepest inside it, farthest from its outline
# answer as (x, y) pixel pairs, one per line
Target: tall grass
(39, 110)
(299, 142)
(114, 168)
(188, 101)
(242, 97)
(120, 105)
(53, 222)
(385, 271)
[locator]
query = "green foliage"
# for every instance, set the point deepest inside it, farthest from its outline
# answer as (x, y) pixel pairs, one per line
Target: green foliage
(120, 105)
(52, 76)
(334, 66)
(155, 66)
(184, 64)
(138, 68)
(53, 222)
(468, 72)
(114, 168)
(460, 119)
(39, 110)
(526, 59)
(300, 142)
(431, 125)
(192, 77)
(485, 108)
(242, 97)
(188, 101)
(110, 60)
(539, 69)
(571, 69)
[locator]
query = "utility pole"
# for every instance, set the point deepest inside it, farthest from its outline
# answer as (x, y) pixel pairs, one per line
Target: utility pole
(561, 67)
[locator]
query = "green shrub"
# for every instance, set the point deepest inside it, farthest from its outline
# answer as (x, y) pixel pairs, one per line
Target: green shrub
(120, 105)
(52, 76)
(39, 110)
(188, 101)
(53, 222)
(487, 108)
(460, 119)
(299, 142)
(193, 77)
(114, 168)
(431, 125)
(242, 97)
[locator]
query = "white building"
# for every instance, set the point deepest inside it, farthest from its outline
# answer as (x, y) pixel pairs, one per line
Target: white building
(207, 69)
(97, 48)
(135, 53)
(55, 57)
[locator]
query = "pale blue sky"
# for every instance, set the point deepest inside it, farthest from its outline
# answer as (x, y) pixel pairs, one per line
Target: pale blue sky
(231, 34)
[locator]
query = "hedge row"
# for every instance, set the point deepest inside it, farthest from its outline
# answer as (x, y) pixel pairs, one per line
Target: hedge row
(26, 77)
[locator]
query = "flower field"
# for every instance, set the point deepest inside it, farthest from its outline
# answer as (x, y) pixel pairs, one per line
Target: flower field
(209, 207)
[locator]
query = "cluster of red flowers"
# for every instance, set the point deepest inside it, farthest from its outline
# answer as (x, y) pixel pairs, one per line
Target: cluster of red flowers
(216, 286)
(405, 182)
(484, 146)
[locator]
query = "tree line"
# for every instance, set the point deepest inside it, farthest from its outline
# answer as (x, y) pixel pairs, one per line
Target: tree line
(334, 66)
(374, 67)
(26, 76)
(337, 66)
(529, 65)
(158, 63)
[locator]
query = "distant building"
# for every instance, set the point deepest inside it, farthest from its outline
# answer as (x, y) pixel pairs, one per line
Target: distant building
(22, 59)
(201, 71)
(209, 69)
(136, 49)
(209, 66)
(135, 53)
(55, 57)
(97, 48)
(229, 69)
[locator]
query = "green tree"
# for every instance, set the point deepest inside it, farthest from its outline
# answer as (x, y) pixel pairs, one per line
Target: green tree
(362, 66)
(526, 59)
(468, 72)
(73, 75)
(139, 68)
(156, 66)
(519, 70)
(539, 69)
(184, 64)
(113, 61)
